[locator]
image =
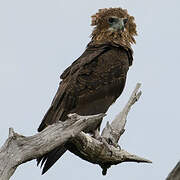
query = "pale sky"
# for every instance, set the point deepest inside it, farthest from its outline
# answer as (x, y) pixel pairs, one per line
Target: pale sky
(40, 38)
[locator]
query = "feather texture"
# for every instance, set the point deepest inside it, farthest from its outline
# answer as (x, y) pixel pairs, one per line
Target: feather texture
(89, 86)
(95, 80)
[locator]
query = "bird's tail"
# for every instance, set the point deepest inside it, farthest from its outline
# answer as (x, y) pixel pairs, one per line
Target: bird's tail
(50, 158)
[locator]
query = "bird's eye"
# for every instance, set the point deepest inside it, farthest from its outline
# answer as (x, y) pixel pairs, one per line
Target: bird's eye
(111, 20)
(125, 20)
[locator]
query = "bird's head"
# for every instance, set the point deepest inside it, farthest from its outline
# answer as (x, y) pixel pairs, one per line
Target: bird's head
(113, 25)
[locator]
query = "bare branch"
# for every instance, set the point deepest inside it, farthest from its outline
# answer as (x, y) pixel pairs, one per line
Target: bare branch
(19, 149)
(175, 173)
(96, 152)
(116, 129)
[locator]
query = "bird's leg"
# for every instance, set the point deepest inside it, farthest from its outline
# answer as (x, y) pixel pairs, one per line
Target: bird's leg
(112, 142)
(96, 135)
(107, 141)
(110, 135)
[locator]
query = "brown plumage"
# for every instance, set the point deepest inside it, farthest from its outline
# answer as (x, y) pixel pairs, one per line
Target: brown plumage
(97, 78)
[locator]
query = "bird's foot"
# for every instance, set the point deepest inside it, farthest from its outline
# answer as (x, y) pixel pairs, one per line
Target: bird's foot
(111, 141)
(108, 146)
(107, 142)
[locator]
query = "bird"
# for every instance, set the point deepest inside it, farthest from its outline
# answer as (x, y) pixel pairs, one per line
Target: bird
(93, 82)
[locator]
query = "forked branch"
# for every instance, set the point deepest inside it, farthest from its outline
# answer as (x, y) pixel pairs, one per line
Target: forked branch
(19, 149)
(96, 152)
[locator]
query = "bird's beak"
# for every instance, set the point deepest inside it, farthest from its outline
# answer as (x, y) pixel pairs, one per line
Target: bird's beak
(118, 25)
(121, 24)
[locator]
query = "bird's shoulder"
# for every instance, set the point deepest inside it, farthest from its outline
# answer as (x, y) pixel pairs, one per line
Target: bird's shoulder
(69, 85)
(89, 55)
(105, 51)
(99, 69)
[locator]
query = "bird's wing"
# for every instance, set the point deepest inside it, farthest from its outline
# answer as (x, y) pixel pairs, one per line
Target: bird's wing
(64, 101)
(100, 73)
(65, 98)
(104, 76)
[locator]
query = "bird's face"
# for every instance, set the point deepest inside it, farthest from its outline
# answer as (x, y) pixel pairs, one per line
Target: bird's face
(116, 24)
(113, 25)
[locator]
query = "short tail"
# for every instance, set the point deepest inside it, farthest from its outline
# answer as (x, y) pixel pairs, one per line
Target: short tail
(47, 120)
(50, 158)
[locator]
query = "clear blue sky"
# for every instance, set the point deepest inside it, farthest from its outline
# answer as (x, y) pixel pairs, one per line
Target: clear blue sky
(40, 38)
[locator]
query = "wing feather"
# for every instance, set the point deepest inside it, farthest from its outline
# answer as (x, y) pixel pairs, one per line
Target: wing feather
(96, 78)
(65, 98)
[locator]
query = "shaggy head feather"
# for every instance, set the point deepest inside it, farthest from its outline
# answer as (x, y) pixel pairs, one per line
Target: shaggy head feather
(103, 33)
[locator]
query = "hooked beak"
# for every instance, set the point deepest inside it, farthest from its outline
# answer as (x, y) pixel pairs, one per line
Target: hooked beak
(121, 24)
(117, 24)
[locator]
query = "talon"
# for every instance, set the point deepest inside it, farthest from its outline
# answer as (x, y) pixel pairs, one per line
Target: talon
(107, 142)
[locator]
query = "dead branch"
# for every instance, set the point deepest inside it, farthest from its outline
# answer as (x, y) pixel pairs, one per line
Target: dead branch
(96, 152)
(175, 173)
(19, 149)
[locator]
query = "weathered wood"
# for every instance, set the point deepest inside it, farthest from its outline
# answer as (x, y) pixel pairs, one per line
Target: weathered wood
(175, 173)
(19, 149)
(116, 128)
(96, 152)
